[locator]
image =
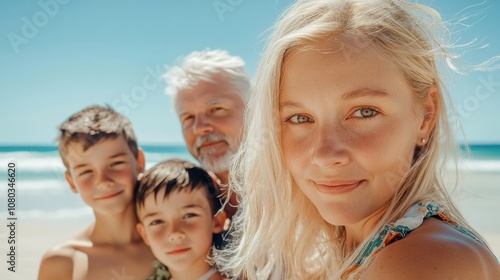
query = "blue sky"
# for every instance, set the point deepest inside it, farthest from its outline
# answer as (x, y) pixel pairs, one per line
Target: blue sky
(58, 56)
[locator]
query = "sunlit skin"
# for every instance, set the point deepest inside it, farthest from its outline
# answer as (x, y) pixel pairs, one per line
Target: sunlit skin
(179, 229)
(104, 175)
(349, 127)
(211, 107)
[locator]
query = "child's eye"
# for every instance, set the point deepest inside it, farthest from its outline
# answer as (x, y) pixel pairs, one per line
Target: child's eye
(298, 119)
(189, 215)
(117, 163)
(365, 112)
(156, 222)
(84, 172)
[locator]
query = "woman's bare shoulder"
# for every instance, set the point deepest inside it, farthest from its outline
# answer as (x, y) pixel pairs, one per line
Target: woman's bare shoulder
(434, 251)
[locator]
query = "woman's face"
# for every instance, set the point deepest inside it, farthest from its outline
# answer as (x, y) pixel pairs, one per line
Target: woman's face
(349, 127)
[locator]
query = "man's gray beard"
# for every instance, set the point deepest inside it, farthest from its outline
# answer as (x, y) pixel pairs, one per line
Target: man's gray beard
(219, 165)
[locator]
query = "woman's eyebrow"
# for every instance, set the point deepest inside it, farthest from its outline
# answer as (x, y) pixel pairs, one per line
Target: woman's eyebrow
(289, 104)
(364, 92)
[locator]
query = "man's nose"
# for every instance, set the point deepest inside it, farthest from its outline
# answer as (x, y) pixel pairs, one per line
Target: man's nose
(202, 125)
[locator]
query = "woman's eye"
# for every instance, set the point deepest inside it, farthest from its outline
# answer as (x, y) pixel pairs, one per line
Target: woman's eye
(365, 113)
(299, 119)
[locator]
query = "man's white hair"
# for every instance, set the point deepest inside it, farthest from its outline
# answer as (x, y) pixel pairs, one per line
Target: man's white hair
(203, 66)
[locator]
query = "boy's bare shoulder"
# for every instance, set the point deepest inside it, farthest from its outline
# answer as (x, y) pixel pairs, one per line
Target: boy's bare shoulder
(58, 262)
(70, 260)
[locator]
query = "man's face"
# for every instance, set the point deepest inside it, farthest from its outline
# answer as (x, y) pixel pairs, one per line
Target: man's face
(211, 116)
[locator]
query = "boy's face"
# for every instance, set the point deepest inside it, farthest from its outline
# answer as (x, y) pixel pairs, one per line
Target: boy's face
(105, 174)
(179, 228)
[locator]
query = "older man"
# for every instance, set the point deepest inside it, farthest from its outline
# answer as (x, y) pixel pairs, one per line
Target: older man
(209, 90)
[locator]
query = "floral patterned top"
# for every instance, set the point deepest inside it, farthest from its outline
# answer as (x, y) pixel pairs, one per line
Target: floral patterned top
(161, 272)
(400, 229)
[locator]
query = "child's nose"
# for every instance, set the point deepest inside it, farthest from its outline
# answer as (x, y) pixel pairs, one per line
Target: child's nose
(176, 237)
(104, 182)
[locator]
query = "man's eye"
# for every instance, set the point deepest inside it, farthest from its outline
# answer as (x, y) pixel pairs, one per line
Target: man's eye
(299, 119)
(117, 163)
(187, 120)
(218, 110)
(365, 112)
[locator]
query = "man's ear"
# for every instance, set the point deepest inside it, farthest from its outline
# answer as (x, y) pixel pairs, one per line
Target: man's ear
(69, 179)
(431, 112)
(141, 161)
(218, 222)
(142, 233)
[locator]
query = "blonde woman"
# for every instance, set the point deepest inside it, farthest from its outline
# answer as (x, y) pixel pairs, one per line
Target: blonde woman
(340, 172)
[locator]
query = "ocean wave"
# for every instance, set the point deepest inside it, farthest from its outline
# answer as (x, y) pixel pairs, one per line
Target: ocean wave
(35, 164)
(51, 163)
(43, 185)
(479, 165)
(41, 163)
(59, 214)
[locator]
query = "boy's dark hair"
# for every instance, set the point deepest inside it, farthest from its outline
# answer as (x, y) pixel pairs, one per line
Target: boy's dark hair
(91, 125)
(175, 175)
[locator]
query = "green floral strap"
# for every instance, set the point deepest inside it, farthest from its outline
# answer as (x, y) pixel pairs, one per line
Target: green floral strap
(161, 273)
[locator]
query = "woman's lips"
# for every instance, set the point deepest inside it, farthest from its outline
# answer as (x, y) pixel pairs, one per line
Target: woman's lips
(336, 187)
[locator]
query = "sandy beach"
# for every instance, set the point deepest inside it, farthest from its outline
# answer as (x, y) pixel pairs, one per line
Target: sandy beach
(33, 238)
(479, 200)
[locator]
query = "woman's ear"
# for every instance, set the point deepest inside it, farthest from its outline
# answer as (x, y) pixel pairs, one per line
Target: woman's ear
(218, 222)
(430, 115)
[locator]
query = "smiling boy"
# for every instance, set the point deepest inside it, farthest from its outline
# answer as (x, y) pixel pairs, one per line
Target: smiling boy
(99, 150)
(179, 212)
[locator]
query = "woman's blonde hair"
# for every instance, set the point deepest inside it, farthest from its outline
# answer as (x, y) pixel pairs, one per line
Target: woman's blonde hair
(278, 233)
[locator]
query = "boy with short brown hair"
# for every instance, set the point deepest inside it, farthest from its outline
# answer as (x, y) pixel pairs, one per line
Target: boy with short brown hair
(180, 217)
(99, 150)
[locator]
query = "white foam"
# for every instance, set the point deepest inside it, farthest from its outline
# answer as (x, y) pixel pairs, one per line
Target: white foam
(60, 214)
(42, 185)
(486, 165)
(34, 164)
(54, 165)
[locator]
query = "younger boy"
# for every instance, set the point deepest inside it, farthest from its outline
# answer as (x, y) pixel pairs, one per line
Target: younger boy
(99, 150)
(179, 212)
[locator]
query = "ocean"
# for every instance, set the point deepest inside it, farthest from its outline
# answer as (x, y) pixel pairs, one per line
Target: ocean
(43, 194)
(48, 212)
